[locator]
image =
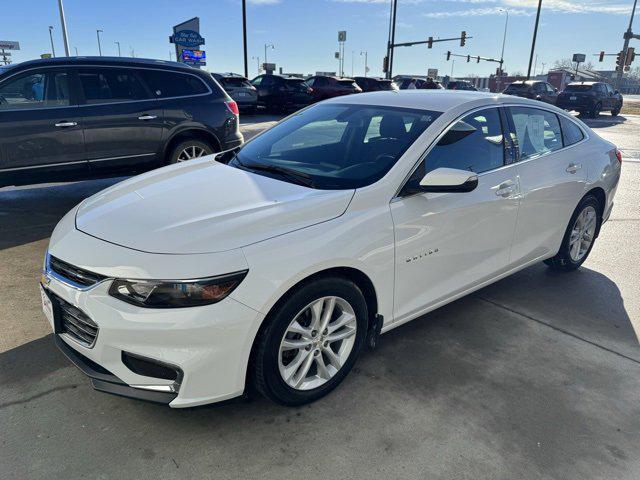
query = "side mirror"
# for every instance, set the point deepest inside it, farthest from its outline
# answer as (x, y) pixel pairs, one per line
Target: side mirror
(616, 92)
(449, 180)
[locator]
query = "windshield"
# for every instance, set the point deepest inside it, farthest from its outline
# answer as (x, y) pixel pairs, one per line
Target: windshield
(517, 86)
(236, 82)
(296, 84)
(578, 88)
(335, 146)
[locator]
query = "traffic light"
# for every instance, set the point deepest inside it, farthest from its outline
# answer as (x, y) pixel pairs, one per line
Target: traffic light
(468, 58)
(620, 60)
(601, 58)
(463, 38)
(631, 55)
(430, 42)
(385, 64)
(448, 55)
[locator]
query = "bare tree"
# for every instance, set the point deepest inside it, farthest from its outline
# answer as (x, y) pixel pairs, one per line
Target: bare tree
(568, 63)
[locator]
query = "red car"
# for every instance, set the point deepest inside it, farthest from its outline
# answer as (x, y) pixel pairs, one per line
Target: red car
(328, 87)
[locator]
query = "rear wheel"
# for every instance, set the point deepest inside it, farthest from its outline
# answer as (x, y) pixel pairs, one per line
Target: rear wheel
(595, 111)
(616, 111)
(190, 149)
(311, 342)
(579, 237)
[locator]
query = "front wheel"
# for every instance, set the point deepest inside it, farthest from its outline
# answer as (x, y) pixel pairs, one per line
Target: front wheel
(579, 237)
(616, 111)
(595, 111)
(311, 342)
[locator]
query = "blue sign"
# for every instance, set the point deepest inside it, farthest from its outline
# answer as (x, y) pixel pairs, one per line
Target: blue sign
(195, 56)
(187, 38)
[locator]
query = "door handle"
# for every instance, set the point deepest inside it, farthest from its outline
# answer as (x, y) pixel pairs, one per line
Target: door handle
(505, 189)
(66, 124)
(147, 117)
(573, 167)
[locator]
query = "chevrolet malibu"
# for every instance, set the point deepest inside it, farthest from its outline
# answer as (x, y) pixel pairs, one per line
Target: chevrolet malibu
(272, 265)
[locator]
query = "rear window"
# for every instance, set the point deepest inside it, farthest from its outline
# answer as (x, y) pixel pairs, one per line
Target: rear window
(578, 88)
(296, 84)
(236, 82)
(173, 84)
(517, 86)
(385, 85)
(346, 83)
(571, 133)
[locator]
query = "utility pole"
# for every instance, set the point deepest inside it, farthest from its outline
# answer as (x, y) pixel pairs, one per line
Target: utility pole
(76, 49)
(53, 49)
(352, 54)
(63, 25)
(119, 54)
(533, 42)
(366, 66)
(99, 47)
(393, 39)
(244, 37)
(257, 59)
(504, 39)
(628, 35)
(453, 62)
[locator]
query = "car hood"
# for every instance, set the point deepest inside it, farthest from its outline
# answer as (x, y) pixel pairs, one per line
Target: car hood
(204, 207)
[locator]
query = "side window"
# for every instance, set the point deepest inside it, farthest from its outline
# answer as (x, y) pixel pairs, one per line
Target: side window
(537, 131)
(173, 84)
(256, 81)
(571, 133)
(550, 88)
(106, 85)
(474, 143)
(35, 90)
(321, 82)
(609, 89)
(310, 82)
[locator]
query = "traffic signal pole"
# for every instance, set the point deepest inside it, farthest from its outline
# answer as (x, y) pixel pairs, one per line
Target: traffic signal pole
(393, 39)
(628, 35)
(244, 37)
(533, 42)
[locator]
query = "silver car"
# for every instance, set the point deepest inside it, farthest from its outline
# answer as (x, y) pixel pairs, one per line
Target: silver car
(240, 89)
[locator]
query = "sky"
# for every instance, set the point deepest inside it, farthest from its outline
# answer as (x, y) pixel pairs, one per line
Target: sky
(304, 32)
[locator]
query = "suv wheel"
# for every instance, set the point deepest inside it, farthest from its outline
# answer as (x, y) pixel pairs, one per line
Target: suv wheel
(595, 111)
(190, 149)
(579, 237)
(616, 111)
(311, 342)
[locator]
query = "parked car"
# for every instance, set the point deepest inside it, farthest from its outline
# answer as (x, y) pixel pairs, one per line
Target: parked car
(239, 89)
(590, 98)
(461, 85)
(328, 87)
(404, 83)
(282, 93)
(341, 222)
(70, 118)
(374, 84)
(534, 89)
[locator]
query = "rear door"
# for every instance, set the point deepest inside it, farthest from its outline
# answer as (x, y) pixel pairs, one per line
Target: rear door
(40, 123)
(122, 122)
(552, 181)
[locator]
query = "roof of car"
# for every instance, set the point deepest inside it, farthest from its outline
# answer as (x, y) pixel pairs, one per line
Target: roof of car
(583, 83)
(101, 61)
(436, 100)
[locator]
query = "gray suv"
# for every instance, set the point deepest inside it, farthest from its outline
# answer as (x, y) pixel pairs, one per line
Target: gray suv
(240, 89)
(66, 119)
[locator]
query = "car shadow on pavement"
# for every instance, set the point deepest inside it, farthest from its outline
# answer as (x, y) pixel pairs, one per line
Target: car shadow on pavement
(521, 385)
(603, 120)
(30, 213)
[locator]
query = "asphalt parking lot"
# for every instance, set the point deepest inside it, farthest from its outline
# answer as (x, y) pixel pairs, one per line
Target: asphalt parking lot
(534, 377)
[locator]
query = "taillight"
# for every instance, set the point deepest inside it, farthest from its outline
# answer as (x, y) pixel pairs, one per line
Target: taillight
(232, 106)
(619, 155)
(309, 90)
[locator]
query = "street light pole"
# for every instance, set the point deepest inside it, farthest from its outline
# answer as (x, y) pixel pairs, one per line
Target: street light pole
(53, 49)
(99, 47)
(366, 67)
(63, 25)
(393, 39)
(119, 54)
(533, 42)
(76, 49)
(504, 39)
(267, 45)
(244, 37)
(257, 59)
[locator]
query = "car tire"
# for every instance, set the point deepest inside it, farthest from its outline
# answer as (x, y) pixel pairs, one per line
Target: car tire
(595, 111)
(616, 111)
(569, 257)
(302, 374)
(191, 147)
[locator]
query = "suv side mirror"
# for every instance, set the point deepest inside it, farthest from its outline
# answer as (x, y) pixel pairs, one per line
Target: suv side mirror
(449, 180)
(616, 92)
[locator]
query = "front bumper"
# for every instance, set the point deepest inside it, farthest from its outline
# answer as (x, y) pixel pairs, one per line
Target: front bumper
(209, 345)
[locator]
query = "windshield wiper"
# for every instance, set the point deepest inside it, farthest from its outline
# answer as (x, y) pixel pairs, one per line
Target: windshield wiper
(293, 175)
(227, 156)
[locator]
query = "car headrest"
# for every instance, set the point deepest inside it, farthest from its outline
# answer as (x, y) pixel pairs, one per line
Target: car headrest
(392, 126)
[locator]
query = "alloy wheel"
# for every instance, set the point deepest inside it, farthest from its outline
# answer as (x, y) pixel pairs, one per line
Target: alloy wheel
(317, 343)
(582, 233)
(191, 152)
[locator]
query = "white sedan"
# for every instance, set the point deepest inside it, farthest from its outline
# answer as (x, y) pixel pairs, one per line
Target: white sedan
(274, 264)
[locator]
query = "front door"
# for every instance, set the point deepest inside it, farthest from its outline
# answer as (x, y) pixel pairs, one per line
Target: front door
(39, 123)
(123, 123)
(447, 243)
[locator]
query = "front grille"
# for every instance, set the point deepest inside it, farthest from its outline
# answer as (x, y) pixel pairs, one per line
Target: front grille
(77, 324)
(74, 275)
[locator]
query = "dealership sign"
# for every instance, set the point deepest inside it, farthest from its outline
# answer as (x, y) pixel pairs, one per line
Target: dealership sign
(187, 38)
(194, 57)
(9, 45)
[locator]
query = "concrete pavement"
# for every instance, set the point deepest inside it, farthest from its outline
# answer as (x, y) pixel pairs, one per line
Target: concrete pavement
(534, 377)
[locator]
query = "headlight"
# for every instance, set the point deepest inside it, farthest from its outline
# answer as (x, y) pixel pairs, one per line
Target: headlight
(175, 293)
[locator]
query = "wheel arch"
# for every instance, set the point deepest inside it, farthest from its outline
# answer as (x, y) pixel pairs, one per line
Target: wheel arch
(187, 133)
(357, 276)
(601, 197)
